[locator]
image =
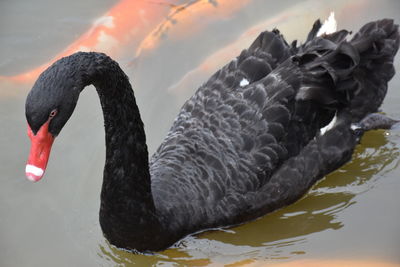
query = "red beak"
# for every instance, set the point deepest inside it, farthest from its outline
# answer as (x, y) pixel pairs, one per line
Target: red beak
(40, 152)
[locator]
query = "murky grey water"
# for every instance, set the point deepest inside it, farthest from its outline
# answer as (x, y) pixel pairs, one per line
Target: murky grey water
(352, 214)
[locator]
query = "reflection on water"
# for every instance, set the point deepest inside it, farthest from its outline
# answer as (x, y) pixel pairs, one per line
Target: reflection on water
(47, 222)
(187, 20)
(375, 155)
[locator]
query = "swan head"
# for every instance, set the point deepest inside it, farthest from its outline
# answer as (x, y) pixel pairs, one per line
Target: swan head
(48, 107)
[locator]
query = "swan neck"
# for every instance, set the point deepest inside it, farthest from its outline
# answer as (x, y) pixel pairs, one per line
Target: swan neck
(126, 149)
(127, 212)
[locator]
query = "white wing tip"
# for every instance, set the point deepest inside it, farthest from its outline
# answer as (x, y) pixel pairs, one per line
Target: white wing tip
(329, 26)
(244, 82)
(330, 125)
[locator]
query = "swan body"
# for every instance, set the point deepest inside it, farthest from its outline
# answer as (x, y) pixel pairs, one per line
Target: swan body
(246, 143)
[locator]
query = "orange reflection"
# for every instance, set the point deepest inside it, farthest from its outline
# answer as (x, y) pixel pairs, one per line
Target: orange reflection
(189, 19)
(131, 21)
(126, 21)
(141, 25)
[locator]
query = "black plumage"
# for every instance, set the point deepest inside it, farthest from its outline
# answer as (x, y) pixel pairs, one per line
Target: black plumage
(246, 143)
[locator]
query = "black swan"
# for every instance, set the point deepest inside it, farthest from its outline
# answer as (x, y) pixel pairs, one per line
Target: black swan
(247, 143)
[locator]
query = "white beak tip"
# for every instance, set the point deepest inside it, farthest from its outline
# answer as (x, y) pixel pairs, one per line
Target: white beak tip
(33, 178)
(33, 173)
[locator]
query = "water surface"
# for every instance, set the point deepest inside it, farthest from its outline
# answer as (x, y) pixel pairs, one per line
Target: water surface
(352, 214)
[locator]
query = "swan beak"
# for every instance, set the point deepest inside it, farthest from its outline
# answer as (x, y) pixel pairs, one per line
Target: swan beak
(41, 143)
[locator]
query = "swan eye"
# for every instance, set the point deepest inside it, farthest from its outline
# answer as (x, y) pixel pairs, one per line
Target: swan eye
(53, 113)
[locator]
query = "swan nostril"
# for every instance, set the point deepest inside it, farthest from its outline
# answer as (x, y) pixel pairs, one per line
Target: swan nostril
(53, 113)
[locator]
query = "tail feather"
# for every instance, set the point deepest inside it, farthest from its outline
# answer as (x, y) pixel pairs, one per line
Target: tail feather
(314, 30)
(272, 43)
(312, 40)
(267, 51)
(327, 70)
(339, 73)
(377, 43)
(338, 36)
